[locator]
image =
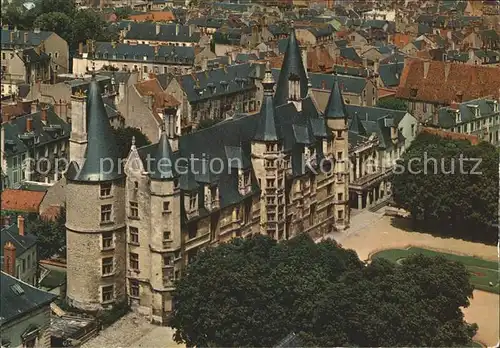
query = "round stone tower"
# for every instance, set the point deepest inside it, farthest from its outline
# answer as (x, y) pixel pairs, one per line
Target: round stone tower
(95, 215)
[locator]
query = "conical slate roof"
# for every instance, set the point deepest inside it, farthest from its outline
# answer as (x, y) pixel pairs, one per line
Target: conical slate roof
(164, 160)
(101, 156)
(357, 126)
(335, 107)
(266, 128)
(292, 66)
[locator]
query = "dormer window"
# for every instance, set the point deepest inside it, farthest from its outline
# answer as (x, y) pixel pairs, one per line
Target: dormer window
(457, 117)
(294, 88)
(495, 106)
(244, 182)
(211, 197)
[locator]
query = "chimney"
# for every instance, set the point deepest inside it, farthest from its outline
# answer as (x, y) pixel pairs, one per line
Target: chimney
(427, 63)
(29, 124)
(44, 115)
(158, 28)
(34, 106)
(376, 66)
(80, 48)
(36, 30)
(6, 221)
(11, 36)
(9, 262)
(191, 29)
(177, 29)
(25, 37)
(20, 224)
(365, 62)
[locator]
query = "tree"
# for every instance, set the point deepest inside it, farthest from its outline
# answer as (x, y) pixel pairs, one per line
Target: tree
(440, 195)
(123, 12)
(51, 235)
(124, 137)
(62, 6)
(255, 291)
(392, 103)
(57, 22)
(90, 25)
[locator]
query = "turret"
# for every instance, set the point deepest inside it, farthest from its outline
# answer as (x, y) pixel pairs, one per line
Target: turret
(95, 215)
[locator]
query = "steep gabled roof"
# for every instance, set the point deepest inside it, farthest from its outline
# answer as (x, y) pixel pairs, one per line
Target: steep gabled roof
(292, 66)
(164, 168)
(101, 156)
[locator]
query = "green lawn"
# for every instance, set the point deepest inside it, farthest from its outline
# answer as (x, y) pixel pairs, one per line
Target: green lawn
(482, 271)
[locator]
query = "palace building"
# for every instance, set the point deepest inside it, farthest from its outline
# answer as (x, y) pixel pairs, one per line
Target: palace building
(133, 227)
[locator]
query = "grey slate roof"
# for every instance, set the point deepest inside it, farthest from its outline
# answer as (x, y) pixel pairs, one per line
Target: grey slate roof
(42, 134)
(335, 108)
(145, 53)
(33, 39)
(22, 243)
(350, 84)
(19, 299)
(390, 74)
(218, 82)
(267, 129)
(164, 160)
(101, 156)
(446, 115)
(292, 67)
(365, 121)
(350, 53)
(167, 32)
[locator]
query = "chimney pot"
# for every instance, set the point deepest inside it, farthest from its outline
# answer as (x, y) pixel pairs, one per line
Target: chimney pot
(29, 124)
(44, 115)
(20, 224)
(9, 253)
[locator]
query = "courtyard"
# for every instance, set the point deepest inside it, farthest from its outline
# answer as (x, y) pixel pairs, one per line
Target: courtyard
(372, 233)
(483, 272)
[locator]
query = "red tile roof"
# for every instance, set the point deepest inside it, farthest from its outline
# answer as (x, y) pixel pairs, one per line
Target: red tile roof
(21, 200)
(446, 82)
(474, 140)
(155, 16)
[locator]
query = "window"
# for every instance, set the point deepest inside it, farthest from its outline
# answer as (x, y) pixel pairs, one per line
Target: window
(106, 190)
(134, 235)
(340, 196)
(413, 130)
(107, 266)
(106, 213)
(329, 189)
(134, 261)
(192, 201)
(134, 209)
(270, 182)
(108, 293)
(23, 266)
(145, 68)
(339, 155)
(339, 134)
(107, 240)
(28, 261)
(136, 185)
(424, 106)
(134, 287)
(166, 206)
(167, 236)
(167, 260)
(340, 214)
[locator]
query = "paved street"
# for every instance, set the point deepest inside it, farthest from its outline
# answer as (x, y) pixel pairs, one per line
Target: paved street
(133, 331)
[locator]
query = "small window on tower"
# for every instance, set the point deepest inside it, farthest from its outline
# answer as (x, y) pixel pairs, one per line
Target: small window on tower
(106, 213)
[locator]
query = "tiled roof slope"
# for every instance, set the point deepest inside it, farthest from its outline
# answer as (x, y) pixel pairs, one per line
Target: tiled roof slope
(21, 243)
(18, 38)
(22, 201)
(19, 299)
(471, 81)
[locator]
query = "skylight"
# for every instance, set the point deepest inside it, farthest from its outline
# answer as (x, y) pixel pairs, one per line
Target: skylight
(17, 289)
